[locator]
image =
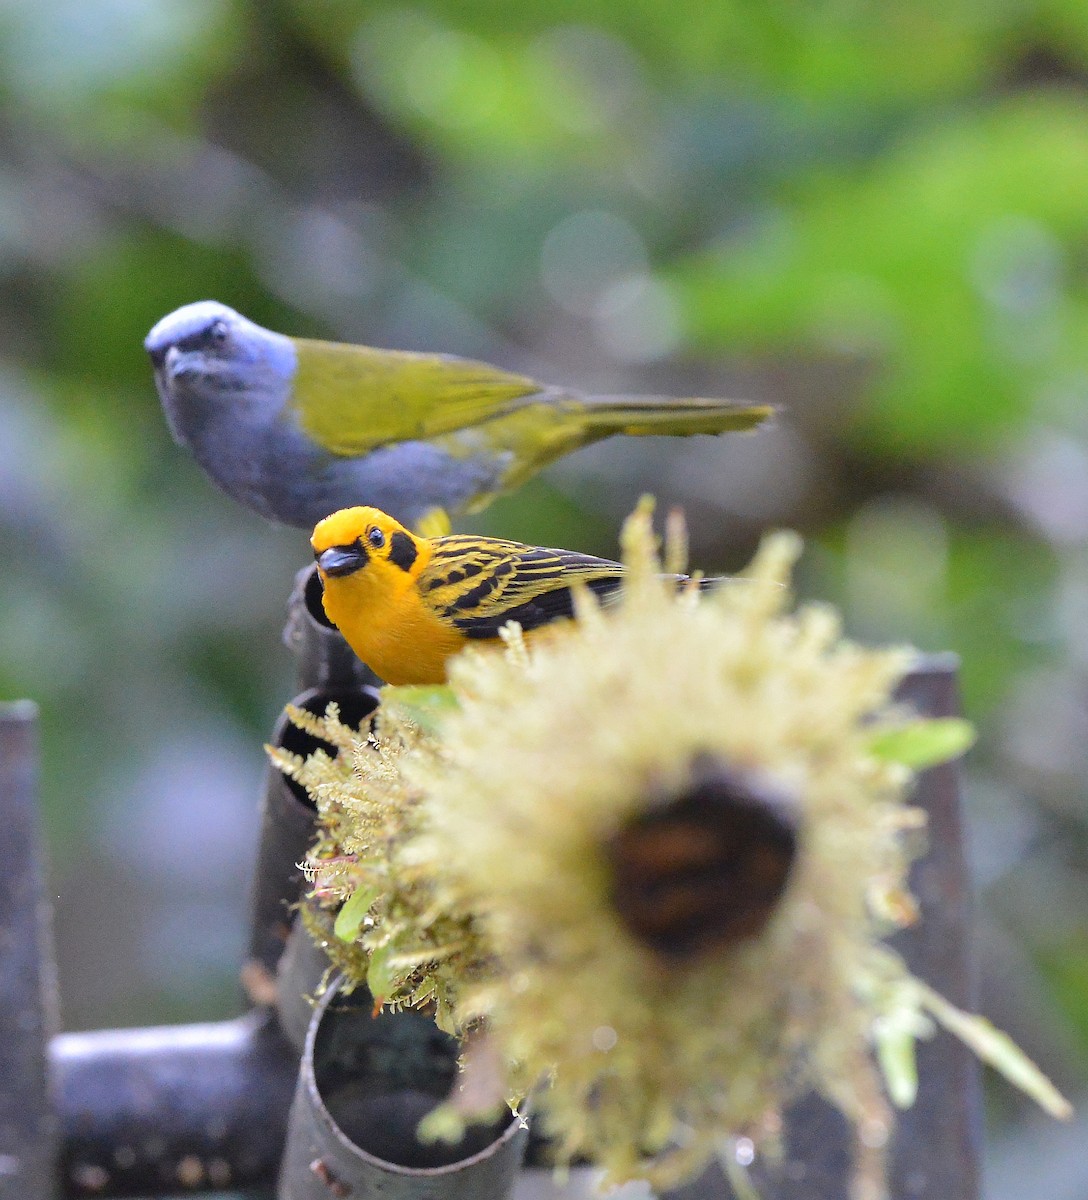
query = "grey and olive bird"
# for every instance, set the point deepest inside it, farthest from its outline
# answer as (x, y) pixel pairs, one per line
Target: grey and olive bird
(297, 428)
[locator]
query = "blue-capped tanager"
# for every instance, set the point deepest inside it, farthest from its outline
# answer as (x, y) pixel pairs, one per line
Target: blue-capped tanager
(297, 428)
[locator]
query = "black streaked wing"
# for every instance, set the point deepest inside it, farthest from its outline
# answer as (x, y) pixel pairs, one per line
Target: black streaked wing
(554, 605)
(480, 584)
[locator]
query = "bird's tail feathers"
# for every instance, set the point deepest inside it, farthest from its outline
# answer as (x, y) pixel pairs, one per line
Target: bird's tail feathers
(665, 415)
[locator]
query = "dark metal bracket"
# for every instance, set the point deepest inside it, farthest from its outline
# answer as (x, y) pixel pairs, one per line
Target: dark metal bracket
(201, 1108)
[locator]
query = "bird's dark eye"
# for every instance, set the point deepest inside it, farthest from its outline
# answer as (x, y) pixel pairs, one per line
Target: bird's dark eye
(375, 537)
(218, 332)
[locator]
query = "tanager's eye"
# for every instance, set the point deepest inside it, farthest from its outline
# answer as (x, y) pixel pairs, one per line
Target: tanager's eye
(375, 537)
(218, 332)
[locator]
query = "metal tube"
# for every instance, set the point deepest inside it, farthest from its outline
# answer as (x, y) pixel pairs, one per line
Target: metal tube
(938, 1143)
(28, 986)
(301, 969)
(287, 829)
(184, 1108)
(366, 1082)
(324, 658)
(328, 671)
(202, 1108)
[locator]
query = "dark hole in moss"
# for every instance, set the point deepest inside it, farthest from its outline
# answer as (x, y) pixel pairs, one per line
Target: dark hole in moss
(705, 867)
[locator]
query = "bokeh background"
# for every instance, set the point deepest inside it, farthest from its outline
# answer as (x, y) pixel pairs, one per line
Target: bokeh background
(873, 215)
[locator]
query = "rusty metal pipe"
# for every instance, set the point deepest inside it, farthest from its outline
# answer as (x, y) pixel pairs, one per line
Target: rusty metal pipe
(365, 1084)
(200, 1108)
(324, 658)
(181, 1108)
(327, 671)
(303, 966)
(287, 829)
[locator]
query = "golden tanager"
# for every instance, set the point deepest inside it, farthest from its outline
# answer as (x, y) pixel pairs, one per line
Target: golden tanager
(406, 603)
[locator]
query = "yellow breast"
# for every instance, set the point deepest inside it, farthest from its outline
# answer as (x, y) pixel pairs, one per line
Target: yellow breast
(383, 618)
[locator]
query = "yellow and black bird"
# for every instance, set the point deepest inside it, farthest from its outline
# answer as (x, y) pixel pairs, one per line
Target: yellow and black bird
(406, 604)
(297, 428)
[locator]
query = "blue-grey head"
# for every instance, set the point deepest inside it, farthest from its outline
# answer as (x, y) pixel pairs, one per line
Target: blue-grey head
(210, 361)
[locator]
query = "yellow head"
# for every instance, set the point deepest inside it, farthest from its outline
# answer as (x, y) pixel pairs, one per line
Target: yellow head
(352, 539)
(369, 566)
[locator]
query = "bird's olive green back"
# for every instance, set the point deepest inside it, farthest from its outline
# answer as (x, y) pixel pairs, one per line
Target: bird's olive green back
(351, 399)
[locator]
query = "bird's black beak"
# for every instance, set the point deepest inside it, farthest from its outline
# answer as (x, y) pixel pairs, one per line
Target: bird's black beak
(170, 362)
(342, 560)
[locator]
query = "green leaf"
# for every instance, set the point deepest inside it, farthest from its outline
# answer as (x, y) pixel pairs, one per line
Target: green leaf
(999, 1051)
(924, 743)
(737, 1174)
(379, 974)
(895, 1053)
(442, 1124)
(353, 912)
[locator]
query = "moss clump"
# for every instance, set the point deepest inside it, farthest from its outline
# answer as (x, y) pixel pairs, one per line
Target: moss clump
(482, 845)
(392, 931)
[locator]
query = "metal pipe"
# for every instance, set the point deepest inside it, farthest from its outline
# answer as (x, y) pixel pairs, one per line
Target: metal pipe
(328, 670)
(287, 829)
(302, 967)
(937, 1150)
(182, 1108)
(205, 1107)
(365, 1084)
(324, 658)
(28, 985)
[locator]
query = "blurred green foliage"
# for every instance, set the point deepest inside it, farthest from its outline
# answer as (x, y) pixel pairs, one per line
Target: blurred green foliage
(873, 215)
(954, 275)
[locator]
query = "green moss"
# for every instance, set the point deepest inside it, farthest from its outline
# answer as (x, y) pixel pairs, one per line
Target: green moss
(480, 841)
